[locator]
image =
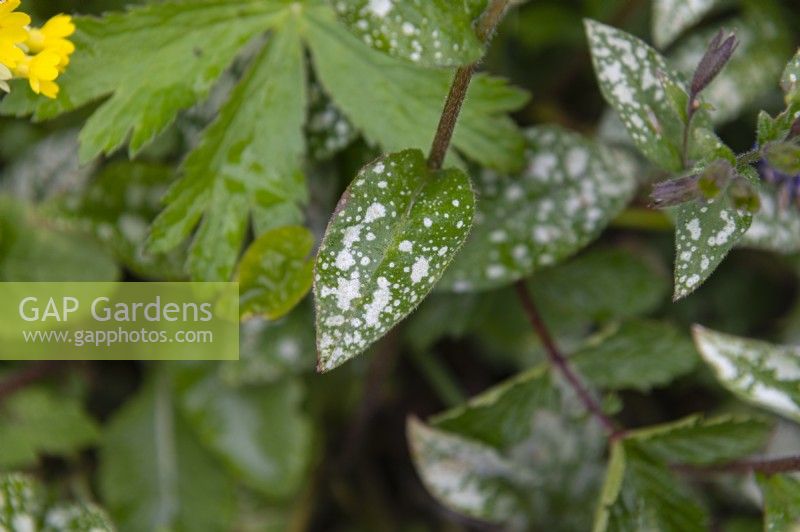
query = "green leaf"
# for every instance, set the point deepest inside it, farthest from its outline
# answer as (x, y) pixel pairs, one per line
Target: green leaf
(705, 233)
(270, 351)
(698, 441)
(152, 61)
(781, 502)
(501, 416)
(571, 190)
(764, 374)
(244, 163)
(259, 432)
(119, 206)
(76, 518)
(35, 247)
(774, 228)
(397, 105)
(34, 421)
(672, 17)
(790, 81)
(154, 474)
(752, 71)
(427, 32)
(20, 504)
(276, 273)
(638, 354)
(394, 232)
(466, 476)
(608, 504)
(628, 71)
(783, 156)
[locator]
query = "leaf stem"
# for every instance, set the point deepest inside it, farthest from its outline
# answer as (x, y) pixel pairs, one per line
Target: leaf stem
(560, 362)
(484, 29)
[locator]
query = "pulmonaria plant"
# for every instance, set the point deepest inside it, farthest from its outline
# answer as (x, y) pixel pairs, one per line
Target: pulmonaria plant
(39, 55)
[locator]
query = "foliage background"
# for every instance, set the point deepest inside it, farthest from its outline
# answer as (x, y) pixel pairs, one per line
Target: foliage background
(270, 443)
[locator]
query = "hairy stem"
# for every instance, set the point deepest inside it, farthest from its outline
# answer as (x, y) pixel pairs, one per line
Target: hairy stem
(458, 90)
(560, 362)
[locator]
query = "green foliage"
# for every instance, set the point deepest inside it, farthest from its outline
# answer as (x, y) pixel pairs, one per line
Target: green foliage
(672, 17)
(275, 273)
(394, 232)
(781, 502)
(35, 422)
(570, 190)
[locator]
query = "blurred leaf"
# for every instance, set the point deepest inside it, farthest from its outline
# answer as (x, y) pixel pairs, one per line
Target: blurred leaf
(244, 163)
(276, 272)
(781, 501)
(638, 354)
(502, 415)
(755, 66)
(394, 232)
(20, 502)
(119, 205)
(270, 351)
(328, 131)
(36, 247)
(571, 189)
(672, 17)
(466, 476)
(76, 518)
(153, 61)
(427, 32)
(259, 432)
(155, 475)
(705, 233)
(698, 441)
(628, 71)
(34, 421)
(760, 373)
(397, 105)
(774, 228)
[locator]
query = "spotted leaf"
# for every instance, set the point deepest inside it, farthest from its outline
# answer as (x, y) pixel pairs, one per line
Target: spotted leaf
(790, 81)
(774, 228)
(467, 476)
(394, 232)
(628, 71)
(761, 373)
(672, 17)
(705, 233)
(275, 273)
(428, 32)
(570, 190)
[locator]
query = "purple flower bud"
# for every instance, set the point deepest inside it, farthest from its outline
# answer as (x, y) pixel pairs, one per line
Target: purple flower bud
(675, 191)
(719, 52)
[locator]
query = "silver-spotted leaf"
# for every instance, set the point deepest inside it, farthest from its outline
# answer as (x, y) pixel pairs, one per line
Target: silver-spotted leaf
(761, 373)
(466, 476)
(672, 17)
(705, 233)
(774, 228)
(276, 272)
(628, 71)
(570, 191)
(427, 32)
(394, 232)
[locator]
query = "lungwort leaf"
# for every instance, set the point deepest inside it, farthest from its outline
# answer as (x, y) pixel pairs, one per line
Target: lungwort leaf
(428, 32)
(570, 190)
(761, 373)
(629, 73)
(394, 232)
(672, 17)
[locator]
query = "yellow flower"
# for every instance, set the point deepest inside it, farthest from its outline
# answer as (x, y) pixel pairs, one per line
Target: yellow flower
(12, 31)
(41, 71)
(53, 36)
(5, 75)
